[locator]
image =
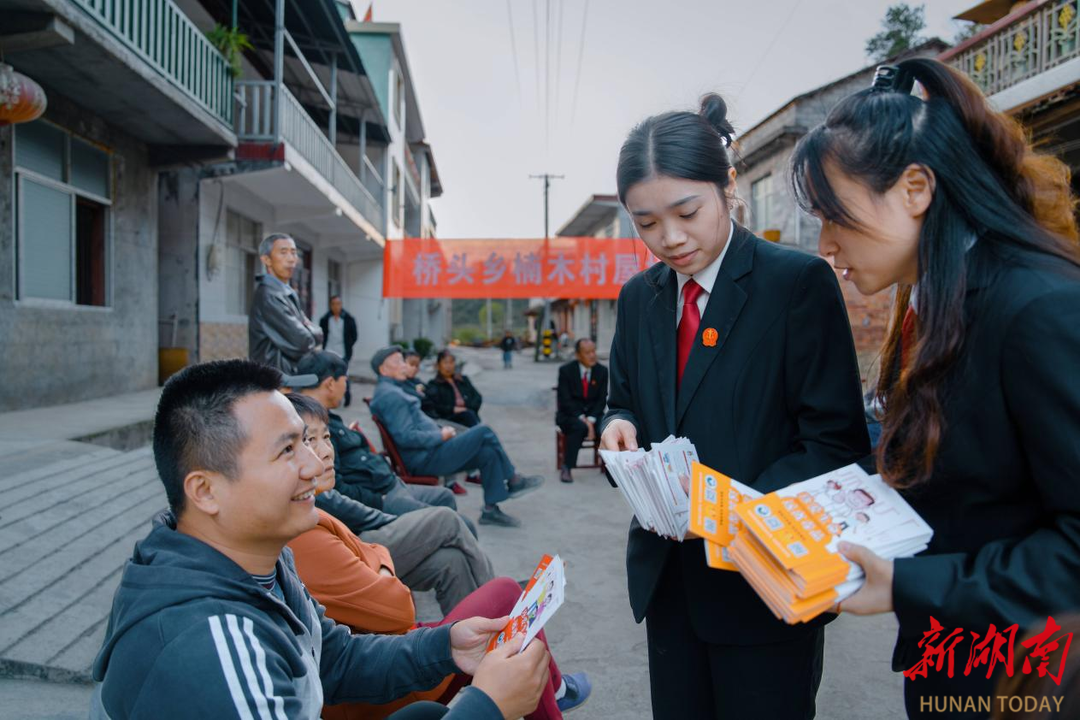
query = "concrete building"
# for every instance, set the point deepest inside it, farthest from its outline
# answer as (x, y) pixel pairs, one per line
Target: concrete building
(410, 165)
(78, 189)
(601, 216)
(1026, 58)
(768, 207)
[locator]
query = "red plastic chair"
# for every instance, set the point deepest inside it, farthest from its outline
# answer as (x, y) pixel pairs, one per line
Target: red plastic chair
(395, 457)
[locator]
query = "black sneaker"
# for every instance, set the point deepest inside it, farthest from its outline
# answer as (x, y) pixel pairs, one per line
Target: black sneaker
(523, 484)
(495, 516)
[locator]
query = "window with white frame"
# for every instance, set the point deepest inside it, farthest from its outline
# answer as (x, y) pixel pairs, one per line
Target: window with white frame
(761, 203)
(63, 188)
(242, 237)
(397, 82)
(333, 279)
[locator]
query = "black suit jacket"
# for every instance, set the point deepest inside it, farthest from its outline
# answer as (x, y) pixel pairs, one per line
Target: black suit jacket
(350, 332)
(571, 402)
(776, 400)
(1004, 495)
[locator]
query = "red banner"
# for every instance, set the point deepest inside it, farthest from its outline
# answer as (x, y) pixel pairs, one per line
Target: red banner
(562, 267)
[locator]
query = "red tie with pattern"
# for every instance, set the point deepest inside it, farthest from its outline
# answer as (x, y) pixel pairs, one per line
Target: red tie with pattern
(688, 324)
(907, 338)
(585, 385)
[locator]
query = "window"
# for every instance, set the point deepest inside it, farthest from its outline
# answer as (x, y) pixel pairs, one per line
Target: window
(333, 279)
(398, 91)
(63, 186)
(242, 264)
(395, 195)
(761, 203)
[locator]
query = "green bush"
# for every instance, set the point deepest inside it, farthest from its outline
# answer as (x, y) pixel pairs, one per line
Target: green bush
(423, 346)
(469, 335)
(403, 344)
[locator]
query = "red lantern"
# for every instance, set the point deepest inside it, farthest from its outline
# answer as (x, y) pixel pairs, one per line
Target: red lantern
(21, 99)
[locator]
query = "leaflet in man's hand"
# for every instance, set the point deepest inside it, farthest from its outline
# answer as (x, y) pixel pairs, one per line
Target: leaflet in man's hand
(543, 595)
(655, 483)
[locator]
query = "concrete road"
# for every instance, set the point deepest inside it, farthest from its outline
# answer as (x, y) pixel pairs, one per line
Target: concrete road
(586, 524)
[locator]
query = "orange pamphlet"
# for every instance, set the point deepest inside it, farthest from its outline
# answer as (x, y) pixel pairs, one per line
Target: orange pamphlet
(713, 497)
(542, 596)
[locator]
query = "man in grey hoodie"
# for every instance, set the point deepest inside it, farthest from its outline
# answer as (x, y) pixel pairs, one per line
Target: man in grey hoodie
(211, 620)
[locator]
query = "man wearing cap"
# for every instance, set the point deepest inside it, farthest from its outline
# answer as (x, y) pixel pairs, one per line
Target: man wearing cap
(362, 474)
(428, 449)
(279, 333)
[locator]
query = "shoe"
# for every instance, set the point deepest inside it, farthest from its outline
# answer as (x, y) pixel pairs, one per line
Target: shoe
(473, 478)
(565, 475)
(495, 516)
(522, 484)
(457, 488)
(578, 689)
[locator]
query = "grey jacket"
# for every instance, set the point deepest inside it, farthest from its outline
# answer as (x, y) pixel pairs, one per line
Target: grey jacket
(279, 333)
(192, 635)
(415, 434)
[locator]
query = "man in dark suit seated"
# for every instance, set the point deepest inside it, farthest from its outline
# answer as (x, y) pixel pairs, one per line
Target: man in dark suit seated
(582, 398)
(427, 449)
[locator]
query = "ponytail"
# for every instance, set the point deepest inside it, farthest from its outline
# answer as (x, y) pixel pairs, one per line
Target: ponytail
(989, 184)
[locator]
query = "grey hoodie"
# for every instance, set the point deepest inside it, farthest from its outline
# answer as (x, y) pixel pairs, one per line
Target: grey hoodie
(193, 635)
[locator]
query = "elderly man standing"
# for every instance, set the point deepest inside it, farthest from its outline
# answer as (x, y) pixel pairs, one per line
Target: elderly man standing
(279, 333)
(428, 449)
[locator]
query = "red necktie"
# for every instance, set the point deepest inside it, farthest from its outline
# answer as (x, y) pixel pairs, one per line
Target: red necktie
(688, 324)
(907, 338)
(585, 385)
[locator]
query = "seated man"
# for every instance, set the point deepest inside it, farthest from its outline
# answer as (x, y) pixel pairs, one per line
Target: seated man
(428, 449)
(582, 397)
(360, 470)
(357, 583)
(450, 395)
(210, 619)
(434, 548)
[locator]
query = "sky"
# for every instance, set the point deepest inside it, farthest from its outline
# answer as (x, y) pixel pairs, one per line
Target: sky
(499, 105)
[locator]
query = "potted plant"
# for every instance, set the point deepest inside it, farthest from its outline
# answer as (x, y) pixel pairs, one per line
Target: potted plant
(231, 43)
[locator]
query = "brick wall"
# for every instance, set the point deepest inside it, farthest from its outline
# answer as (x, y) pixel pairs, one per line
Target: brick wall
(869, 317)
(222, 341)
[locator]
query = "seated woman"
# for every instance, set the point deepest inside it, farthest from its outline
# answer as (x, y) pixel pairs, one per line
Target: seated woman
(450, 395)
(356, 583)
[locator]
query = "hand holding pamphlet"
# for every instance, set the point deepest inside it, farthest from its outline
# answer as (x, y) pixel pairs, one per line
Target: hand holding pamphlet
(655, 484)
(786, 546)
(538, 602)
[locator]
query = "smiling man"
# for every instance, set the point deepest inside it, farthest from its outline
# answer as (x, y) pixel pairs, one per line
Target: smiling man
(210, 619)
(279, 333)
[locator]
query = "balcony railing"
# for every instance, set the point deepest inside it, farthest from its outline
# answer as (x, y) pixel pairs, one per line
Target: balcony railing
(255, 123)
(1020, 47)
(162, 35)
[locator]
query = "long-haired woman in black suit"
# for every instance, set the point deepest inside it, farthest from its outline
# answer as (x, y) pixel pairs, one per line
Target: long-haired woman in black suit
(945, 199)
(744, 347)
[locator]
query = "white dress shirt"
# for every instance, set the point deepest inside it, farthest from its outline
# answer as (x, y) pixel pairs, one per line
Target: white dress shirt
(586, 373)
(706, 278)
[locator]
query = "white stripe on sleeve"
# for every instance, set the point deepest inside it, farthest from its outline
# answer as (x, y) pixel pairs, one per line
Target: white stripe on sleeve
(227, 667)
(245, 663)
(260, 661)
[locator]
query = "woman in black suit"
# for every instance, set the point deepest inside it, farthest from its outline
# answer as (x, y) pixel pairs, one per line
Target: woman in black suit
(744, 347)
(945, 199)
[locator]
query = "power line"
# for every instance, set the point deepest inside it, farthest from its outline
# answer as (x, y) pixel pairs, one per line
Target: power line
(776, 37)
(559, 7)
(580, 59)
(536, 47)
(547, 75)
(513, 48)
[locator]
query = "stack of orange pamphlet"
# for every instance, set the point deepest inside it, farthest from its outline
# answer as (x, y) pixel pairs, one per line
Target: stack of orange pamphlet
(713, 497)
(786, 543)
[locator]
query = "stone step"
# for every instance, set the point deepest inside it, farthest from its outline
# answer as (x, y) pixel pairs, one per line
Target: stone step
(21, 465)
(94, 497)
(45, 468)
(15, 562)
(55, 567)
(49, 491)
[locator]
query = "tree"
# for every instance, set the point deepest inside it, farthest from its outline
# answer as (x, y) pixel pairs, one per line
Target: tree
(900, 32)
(965, 31)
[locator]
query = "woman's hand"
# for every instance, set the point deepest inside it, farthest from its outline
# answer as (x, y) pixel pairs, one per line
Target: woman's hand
(875, 596)
(619, 435)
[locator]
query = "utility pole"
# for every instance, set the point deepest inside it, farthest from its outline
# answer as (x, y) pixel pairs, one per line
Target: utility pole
(547, 178)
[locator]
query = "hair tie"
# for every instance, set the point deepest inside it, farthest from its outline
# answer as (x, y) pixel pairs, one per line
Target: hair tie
(892, 78)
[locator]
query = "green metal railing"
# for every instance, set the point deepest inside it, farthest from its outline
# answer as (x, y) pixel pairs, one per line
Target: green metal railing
(1013, 50)
(162, 35)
